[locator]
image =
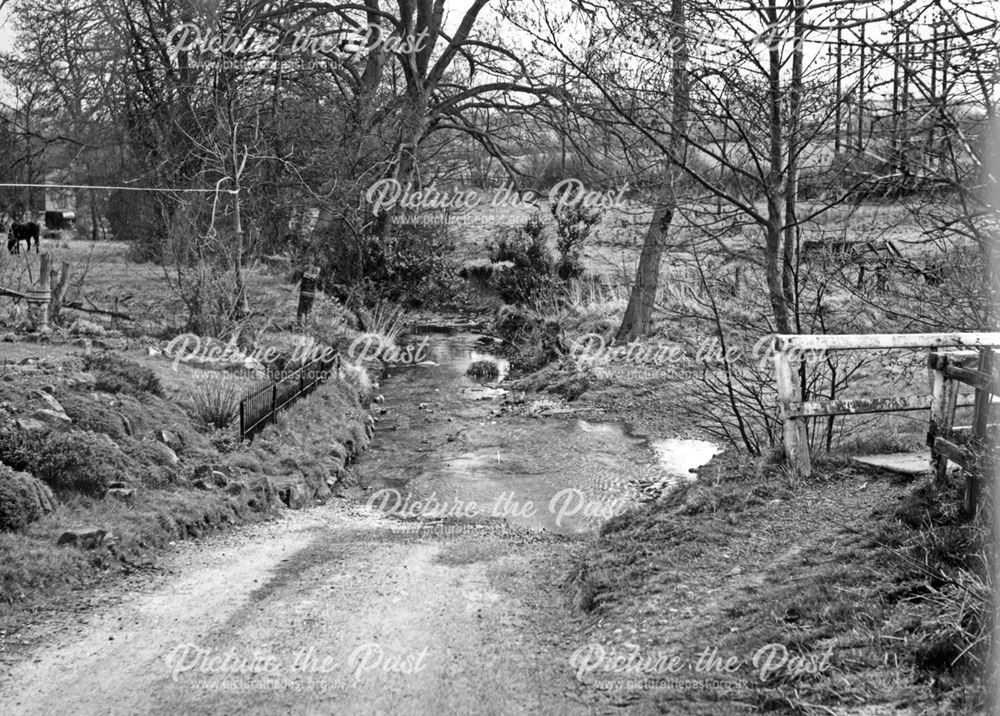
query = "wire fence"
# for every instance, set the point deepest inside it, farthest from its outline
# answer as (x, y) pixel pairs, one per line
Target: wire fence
(259, 408)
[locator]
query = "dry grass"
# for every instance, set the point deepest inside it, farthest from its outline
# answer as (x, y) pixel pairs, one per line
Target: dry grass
(388, 321)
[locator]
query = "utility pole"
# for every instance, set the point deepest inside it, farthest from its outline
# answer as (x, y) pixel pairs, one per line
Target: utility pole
(861, 91)
(932, 114)
(905, 98)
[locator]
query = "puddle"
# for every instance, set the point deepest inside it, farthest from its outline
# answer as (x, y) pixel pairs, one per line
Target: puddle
(441, 453)
(679, 457)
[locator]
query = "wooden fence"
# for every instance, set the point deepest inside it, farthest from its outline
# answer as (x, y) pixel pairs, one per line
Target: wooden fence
(260, 406)
(969, 447)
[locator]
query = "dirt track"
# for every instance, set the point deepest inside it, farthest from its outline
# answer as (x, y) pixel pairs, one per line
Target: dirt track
(336, 605)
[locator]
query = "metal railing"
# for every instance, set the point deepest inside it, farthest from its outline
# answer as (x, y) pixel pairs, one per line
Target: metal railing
(259, 408)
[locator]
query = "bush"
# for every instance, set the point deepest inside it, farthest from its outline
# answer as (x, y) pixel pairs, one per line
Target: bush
(89, 414)
(67, 462)
(413, 265)
(574, 222)
(23, 499)
(114, 374)
(530, 276)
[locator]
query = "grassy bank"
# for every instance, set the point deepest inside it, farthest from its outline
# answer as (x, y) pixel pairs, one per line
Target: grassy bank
(879, 578)
(105, 436)
(146, 470)
(875, 573)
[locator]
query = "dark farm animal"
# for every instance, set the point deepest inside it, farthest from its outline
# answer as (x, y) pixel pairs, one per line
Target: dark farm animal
(18, 231)
(26, 231)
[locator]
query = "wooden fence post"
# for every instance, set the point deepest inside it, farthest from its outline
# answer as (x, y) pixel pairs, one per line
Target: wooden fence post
(943, 403)
(979, 444)
(40, 296)
(307, 293)
(796, 444)
(939, 411)
(60, 283)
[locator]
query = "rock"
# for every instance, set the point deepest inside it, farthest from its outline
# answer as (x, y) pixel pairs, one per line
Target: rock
(49, 400)
(117, 485)
(236, 488)
(245, 461)
(217, 475)
(202, 485)
(125, 494)
(85, 537)
(52, 417)
(30, 424)
(294, 496)
(162, 454)
(171, 440)
(262, 494)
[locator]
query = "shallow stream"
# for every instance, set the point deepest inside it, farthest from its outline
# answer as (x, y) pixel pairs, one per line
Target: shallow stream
(443, 451)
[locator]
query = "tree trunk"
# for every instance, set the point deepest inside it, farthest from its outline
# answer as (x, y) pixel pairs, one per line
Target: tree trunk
(775, 259)
(642, 299)
(404, 171)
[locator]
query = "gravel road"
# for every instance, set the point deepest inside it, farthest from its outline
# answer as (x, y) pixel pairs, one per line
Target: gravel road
(330, 610)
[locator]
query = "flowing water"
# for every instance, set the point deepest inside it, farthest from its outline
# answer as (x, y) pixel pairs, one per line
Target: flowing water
(442, 451)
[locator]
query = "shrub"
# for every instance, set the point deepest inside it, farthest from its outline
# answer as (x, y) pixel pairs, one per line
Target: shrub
(115, 374)
(89, 414)
(412, 265)
(23, 499)
(531, 273)
(67, 462)
(574, 223)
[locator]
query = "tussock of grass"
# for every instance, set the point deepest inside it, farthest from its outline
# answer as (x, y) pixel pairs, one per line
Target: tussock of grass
(216, 401)
(387, 321)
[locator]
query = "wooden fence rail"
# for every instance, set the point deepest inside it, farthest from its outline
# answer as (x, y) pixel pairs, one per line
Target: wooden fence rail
(950, 354)
(259, 408)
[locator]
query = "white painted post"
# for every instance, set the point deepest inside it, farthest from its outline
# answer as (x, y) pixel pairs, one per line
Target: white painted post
(796, 444)
(938, 403)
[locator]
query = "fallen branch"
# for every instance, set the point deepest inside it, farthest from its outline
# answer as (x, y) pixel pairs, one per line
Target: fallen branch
(77, 306)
